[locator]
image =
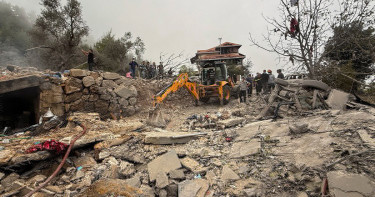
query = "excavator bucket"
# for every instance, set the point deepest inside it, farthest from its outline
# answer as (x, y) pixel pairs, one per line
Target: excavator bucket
(155, 118)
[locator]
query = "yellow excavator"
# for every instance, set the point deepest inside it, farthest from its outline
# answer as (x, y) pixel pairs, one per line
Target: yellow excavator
(214, 83)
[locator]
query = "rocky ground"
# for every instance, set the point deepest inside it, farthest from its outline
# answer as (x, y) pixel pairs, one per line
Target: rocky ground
(205, 150)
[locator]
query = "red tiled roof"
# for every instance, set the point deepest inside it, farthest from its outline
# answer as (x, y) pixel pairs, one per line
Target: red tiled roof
(222, 56)
(228, 44)
(211, 50)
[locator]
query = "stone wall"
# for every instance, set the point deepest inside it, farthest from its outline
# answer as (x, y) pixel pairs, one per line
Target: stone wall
(103, 92)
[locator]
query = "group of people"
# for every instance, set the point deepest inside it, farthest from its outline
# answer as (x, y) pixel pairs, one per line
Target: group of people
(147, 70)
(263, 82)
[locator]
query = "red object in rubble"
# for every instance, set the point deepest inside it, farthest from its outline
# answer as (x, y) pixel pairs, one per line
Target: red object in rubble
(51, 145)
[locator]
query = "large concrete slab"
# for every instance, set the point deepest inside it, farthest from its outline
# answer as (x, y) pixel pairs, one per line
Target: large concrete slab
(347, 184)
(19, 83)
(163, 164)
(337, 99)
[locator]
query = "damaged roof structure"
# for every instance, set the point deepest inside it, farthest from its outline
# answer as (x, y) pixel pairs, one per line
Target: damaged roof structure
(304, 139)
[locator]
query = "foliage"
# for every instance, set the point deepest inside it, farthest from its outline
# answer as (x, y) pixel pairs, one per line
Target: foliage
(58, 31)
(244, 69)
(114, 54)
(14, 25)
(355, 45)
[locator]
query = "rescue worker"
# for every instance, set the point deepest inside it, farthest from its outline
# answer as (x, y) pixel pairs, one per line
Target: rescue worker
(264, 81)
(280, 74)
(90, 58)
(133, 64)
(243, 88)
(258, 84)
(271, 80)
(161, 70)
(250, 80)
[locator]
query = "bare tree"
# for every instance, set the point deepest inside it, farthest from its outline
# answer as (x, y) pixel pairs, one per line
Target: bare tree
(173, 61)
(303, 29)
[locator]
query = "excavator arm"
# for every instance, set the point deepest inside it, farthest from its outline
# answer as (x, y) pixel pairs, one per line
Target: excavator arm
(181, 81)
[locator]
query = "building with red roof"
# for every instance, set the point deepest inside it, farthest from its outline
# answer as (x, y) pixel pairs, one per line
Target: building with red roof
(228, 52)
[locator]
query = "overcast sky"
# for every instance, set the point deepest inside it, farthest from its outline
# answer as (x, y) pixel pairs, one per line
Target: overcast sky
(172, 26)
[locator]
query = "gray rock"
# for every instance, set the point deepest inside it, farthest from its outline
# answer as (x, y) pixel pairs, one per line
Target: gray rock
(163, 193)
(244, 148)
(129, 111)
(109, 84)
(99, 81)
(298, 128)
(88, 81)
(164, 163)
(123, 102)
(188, 188)
(230, 122)
(73, 85)
(126, 169)
(135, 181)
(111, 76)
(73, 97)
(78, 73)
(8, 181)
(105, 97)
(147, 191)
(337, 99)
(126, 92)
(132, 101)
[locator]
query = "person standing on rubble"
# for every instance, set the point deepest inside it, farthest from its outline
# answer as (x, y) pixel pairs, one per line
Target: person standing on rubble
(142, 70)
(250, 80)
(271, 80)
(153, 69)
(243, 88)
(280, 74)
(264, 81)
(90, 58)
(161, 70)
(258, 84)
(133, 64)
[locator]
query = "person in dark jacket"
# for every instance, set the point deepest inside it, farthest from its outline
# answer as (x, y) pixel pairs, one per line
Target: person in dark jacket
(250, 80)
(90, 58)
(264, 81)
(258, 83)
(280, 74)
(133, 64)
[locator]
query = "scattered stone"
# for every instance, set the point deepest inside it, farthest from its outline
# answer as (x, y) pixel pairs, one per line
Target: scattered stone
(191, 164)
(126, 92)
(366, 138)
(135, 181)
(196, 187)
(88, 81)
(73, 85)
(163, 193)
(298, 128)
(228, 174)
(111, 76)
(126, 169)
(78, 73)
(132, 101)
(109, 84)
(113, 187)
(163, 164)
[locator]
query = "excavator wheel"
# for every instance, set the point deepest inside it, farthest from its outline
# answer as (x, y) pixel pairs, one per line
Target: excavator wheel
(226, 95)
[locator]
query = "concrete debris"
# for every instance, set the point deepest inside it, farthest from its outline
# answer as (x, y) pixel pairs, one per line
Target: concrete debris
(228, 174)
(230, 122)
(348, 184)
(170, 137)
(337, 99)
(191, 165)
(163, 164)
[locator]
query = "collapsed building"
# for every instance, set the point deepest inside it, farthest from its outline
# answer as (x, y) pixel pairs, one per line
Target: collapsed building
(310, 149)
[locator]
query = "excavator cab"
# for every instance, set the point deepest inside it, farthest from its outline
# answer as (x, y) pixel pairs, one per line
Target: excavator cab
(213, 72)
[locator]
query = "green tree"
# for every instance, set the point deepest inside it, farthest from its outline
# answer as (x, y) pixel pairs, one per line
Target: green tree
(114, 54)
(59, 31)
(351, 49)
(186, 69)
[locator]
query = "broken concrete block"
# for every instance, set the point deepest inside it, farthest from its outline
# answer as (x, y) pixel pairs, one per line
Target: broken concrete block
(164, 163)
(177, 174)
(78, 73)
(168, 137)
(88, 81)
(113, 187)
(196, 187)
(228, 174)
(230, 122)
(161, 180)
(191, 164)
(8, 181)
(347, 184)
(126, 168)
(147, 191)
(135, 181)
(111, 76)
(126, 92)
(337, 99)
(243, 149)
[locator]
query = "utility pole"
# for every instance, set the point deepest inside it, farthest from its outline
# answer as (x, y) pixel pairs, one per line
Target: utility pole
(220, 44)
